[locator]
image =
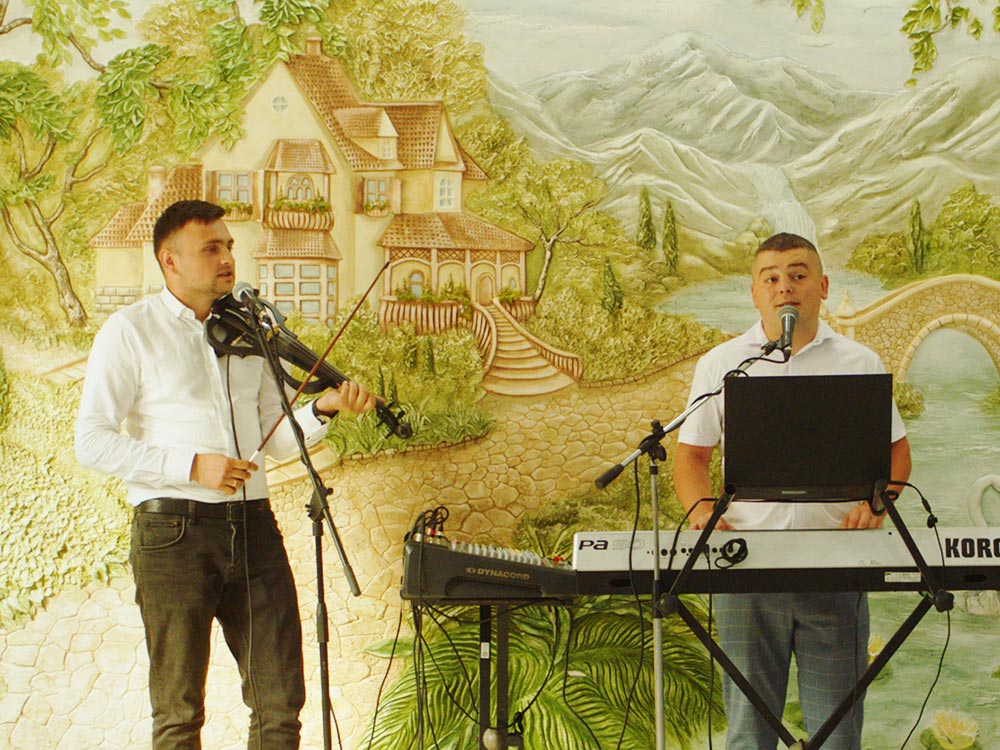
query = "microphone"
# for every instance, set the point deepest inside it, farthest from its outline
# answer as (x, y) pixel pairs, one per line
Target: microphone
(246, 294)
(788, 315)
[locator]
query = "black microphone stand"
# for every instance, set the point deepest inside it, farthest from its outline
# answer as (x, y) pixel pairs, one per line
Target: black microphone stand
(319, 510)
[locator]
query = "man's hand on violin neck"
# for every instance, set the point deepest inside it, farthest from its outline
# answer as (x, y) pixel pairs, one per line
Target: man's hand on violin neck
(349, 396)
(218, 472)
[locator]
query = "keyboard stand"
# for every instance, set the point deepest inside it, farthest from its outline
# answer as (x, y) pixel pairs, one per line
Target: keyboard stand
(670, 603)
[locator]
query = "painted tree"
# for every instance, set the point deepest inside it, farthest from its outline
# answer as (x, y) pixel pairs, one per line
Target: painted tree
(612, 297)
(553, 205)
(919, 241)
(645, 233)
(668, 240)
(398, 49)
(57, 139)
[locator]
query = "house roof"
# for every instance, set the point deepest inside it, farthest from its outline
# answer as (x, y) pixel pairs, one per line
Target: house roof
(325, 83)
(462, 231)
(296, 243)
(360, 122)
(290, 155)
(183, 182)
(115, 232)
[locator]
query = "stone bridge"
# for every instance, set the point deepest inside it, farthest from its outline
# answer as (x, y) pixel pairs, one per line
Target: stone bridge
(897, 324)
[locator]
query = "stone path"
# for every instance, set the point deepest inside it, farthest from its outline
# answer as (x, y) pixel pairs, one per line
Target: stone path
(75, 676)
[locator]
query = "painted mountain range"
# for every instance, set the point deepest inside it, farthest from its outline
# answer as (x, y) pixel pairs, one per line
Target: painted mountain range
(729, 139)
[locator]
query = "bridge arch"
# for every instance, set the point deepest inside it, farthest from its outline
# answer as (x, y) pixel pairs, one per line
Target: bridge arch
(897, 324)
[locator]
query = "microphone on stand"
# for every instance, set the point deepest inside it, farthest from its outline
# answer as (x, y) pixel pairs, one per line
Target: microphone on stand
(249, 298)
(788, 315)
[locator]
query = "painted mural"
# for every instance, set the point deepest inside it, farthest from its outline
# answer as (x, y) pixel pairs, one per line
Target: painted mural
(544, 212)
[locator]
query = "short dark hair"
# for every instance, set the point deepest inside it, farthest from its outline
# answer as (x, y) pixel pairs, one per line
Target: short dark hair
(784, 241)
(178, 214)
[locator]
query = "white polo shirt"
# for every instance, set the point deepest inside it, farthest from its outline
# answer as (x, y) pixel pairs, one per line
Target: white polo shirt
(828, 353)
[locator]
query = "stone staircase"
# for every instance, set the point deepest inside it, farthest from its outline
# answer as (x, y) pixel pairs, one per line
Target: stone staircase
(519, 369)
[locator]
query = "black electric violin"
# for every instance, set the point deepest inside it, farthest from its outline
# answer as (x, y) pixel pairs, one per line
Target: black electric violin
(232, 329)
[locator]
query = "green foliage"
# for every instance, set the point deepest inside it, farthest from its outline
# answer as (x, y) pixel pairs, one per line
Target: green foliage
(440, 407)
(964, 238)
(884, 256)
(645, 233)
(85, 22)
(25, 96)
(668, 240)
(315, 206)
(124, 88)
(966, 234)
(397, 49)
(613, 297)
(816, 10)
(571, 319)
(925, 19)
(60, 528)
(909, 399)
(572, 670)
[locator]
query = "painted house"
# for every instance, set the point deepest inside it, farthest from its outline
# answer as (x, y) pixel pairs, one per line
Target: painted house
(322, 191)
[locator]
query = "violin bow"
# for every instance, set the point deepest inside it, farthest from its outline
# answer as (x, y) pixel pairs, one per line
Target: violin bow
(319, 360)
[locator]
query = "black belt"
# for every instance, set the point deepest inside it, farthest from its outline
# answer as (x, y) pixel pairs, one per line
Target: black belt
(231, 511)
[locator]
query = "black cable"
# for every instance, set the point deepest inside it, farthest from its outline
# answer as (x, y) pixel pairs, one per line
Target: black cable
(385, 677)
(934, 683)
(565, 680)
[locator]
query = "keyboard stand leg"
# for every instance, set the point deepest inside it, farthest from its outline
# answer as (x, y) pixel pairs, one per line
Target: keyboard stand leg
(734, 672)
(878, 663)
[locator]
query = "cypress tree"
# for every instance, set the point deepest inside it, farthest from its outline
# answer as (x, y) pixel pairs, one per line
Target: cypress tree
(645, 234)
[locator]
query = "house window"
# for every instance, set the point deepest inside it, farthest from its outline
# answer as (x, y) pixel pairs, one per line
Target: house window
(331, 288)
(376, 193)
(262, 272)
(299, 188)
(446, 193)
(388, 151)
(309, 271)
(233, 187)
(263, 289)
(285, 308)
(284, 289)
(279, 104)
(284, 270)
(309, 307)
(417, 284)
(309, 287)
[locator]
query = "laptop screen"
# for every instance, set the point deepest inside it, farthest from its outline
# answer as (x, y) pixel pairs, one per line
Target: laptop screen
(807, 437)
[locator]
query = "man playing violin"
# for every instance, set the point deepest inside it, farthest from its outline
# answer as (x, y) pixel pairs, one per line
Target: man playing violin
(205, 544)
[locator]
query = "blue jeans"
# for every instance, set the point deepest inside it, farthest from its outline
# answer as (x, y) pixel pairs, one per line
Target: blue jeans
(191, 571)
(827, 632)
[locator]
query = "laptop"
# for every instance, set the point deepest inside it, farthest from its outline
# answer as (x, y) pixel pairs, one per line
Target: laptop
(808, 437)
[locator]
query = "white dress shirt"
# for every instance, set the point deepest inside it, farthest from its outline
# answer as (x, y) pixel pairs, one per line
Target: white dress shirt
(828, 353)
(152, 372)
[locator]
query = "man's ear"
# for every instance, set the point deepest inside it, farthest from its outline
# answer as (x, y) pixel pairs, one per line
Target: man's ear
(166, 258)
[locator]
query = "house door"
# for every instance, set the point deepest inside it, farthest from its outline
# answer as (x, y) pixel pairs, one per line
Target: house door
(484, 290)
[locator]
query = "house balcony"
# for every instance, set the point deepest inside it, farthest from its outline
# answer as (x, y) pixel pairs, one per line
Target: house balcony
(298, 218)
